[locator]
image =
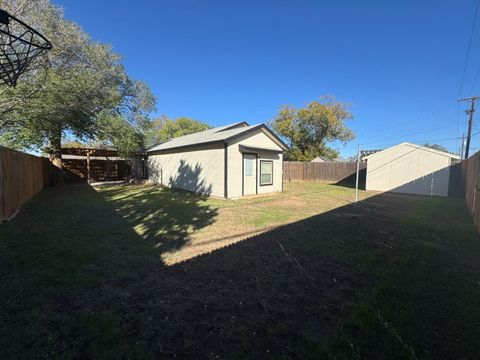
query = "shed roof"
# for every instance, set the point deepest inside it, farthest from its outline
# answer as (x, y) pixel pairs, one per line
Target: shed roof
(419, 147)
(218, 134)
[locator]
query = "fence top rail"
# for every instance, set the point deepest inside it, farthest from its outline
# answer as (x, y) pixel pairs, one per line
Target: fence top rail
(89, 151)
(21, 153)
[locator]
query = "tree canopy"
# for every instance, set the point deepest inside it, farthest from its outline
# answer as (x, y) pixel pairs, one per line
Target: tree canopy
(163, 129)
(436, 147)
(308, 130)
(80, 88)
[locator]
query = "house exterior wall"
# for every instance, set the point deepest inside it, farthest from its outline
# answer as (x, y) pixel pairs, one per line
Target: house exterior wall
(235, 163)
(409, 169)
(198, 169)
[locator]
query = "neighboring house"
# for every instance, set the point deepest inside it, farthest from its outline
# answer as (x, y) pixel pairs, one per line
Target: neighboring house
(321, 159)
(365, 153)
(228, 161)
(325, 159)
(410, 168)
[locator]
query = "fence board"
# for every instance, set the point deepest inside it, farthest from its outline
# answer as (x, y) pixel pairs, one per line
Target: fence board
(471, 174)
(328, 172)
(22, 176)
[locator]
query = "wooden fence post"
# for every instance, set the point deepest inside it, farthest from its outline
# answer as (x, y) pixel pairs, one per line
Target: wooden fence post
(88, 167)
(2, 211)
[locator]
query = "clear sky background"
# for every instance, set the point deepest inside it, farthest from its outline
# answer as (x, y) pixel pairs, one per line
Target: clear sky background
(398, 63)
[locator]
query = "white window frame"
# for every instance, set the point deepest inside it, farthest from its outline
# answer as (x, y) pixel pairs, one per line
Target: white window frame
(271, 180)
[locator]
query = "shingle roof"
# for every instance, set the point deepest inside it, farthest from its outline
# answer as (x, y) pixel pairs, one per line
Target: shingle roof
(222, 133)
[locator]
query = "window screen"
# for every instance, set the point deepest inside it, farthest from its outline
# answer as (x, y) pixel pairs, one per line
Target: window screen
(266, 172)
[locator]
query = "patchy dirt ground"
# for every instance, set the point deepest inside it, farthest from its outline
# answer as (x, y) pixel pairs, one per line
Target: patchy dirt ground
(391, 277)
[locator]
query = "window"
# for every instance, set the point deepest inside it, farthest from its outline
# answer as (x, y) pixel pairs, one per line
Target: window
(248, 166)
(266, 172)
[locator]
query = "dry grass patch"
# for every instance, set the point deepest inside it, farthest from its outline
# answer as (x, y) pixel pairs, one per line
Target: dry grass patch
(204, 224)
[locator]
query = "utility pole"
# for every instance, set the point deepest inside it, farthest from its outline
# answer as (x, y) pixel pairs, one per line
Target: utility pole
(461, 146)
(358, 171)
(472, 100)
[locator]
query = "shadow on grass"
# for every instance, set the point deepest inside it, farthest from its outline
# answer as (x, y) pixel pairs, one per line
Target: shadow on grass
(71, 249)
(78, 282)
(164, 218)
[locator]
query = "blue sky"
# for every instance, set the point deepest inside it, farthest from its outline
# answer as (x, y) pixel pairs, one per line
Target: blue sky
(399, 64)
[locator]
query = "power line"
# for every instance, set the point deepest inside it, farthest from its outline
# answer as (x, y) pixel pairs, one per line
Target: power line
(472, 33)
(474, 81)
(458, 118)
(416, 120)
(412, 134)
(426, 140)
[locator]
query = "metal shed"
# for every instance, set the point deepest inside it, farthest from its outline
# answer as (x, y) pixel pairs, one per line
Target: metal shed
(410, 168)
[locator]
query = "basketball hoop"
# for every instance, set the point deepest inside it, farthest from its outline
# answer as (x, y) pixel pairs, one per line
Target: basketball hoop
(19, 46)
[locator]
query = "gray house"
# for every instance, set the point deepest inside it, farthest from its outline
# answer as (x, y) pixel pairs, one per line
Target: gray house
(229, 161)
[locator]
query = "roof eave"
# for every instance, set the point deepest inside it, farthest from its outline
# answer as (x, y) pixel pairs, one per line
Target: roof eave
(186, 146)
(227, 127)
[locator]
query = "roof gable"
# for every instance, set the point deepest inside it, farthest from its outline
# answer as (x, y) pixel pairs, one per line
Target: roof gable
(266, 130)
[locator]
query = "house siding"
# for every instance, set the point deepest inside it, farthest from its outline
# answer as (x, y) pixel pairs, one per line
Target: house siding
(198, 169)
(409, 169)
(235, 157)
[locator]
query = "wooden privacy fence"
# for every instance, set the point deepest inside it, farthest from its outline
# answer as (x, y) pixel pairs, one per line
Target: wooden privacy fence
(328, 171)
(81, 164)
(471, 174)
(22, 176)
(77, 170)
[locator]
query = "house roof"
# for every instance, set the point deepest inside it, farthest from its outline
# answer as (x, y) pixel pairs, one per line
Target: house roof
(324, 158)
(365, 153)
(425, 148)
(219, 134)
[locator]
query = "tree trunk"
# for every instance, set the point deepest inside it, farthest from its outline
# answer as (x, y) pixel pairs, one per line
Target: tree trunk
(56, 159)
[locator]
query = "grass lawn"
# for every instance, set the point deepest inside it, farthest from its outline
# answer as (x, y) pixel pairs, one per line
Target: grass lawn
(184, 225)
(145, 272)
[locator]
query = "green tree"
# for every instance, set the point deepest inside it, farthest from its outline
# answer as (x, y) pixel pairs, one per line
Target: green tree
(79, 88)
(118, 134)
(74, 144)
(163, 129)
(436, 147)
(308, 130)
